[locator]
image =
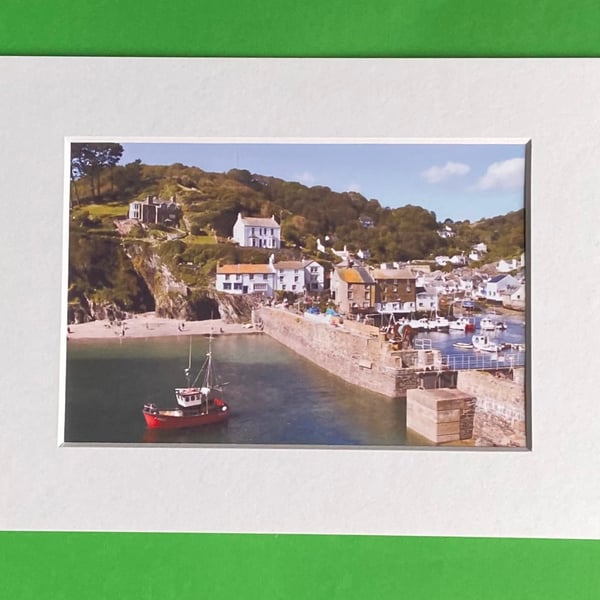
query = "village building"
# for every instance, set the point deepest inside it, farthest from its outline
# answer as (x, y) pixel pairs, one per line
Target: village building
(257, 232)
(366, 222)
(498, 286)
(314, 276)
(289, 276)
(152, 210)
(427, 299)
(516, 299)
(352, 289)
(506, 266)
(395, 286)
(246, 279)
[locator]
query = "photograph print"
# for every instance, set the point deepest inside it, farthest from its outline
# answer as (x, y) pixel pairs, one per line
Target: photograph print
(308, 294)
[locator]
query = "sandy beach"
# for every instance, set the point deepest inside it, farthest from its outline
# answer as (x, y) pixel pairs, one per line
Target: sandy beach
(149, 325)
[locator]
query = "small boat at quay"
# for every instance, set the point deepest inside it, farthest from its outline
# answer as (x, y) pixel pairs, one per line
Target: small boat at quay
(463, 345)
(486, 324)
(484, 344)
(465, 324)
(196, 406)
(438, 323)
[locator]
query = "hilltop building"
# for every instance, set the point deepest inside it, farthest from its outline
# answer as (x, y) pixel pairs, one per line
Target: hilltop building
(154, 210)
(257, 232)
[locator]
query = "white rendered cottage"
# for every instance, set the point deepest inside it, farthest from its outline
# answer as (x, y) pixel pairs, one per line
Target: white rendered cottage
(257, 232)
(289, 275)
(246, 279)
(314, 276)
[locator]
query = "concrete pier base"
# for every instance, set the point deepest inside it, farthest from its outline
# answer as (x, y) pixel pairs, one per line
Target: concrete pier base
(441, 415)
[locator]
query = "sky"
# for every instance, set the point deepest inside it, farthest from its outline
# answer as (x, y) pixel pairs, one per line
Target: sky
(456, 181)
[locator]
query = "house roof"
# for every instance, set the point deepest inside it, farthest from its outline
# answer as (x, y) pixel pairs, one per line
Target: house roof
(243, 269)
(354, 275)
(259, 221)
(393, 274)
(497, 278)
(289, 265)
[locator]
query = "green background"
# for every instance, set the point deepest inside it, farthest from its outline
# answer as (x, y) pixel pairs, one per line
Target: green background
(180, 566)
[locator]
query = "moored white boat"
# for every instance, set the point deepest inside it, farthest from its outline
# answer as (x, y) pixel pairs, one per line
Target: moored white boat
(486, 324)
(483, 343)
(465, 324)
(438, 323)
(463, 345)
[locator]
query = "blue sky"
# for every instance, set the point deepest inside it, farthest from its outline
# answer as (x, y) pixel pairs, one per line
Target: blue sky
(457, 181)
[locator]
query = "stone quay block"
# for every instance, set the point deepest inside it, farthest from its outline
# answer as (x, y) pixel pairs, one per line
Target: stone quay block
(441, 414)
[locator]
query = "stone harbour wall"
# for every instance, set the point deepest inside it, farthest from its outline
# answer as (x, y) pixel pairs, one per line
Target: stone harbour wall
(499, 418)
(359, 356)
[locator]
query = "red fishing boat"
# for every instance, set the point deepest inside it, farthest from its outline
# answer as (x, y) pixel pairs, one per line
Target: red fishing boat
(196, 405)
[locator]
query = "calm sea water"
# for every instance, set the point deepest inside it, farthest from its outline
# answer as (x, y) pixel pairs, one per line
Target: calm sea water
(276, 397)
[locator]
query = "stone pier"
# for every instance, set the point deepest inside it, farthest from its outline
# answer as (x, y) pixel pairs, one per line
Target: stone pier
(441, 415)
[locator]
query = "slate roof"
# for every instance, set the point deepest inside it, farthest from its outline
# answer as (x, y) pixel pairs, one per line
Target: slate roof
(260, 222)
(393, 274)
(355, 275)
(286, 265)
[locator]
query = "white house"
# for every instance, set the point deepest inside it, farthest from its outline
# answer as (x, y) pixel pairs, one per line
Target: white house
(481, 248)
(427, 299)
(458, 259)
(364, 254)
(516, 299)
(257, 232)
(498, 286)
(289, 275)
(246, 279)
(314, 276)
(505, 266)
(442, 260)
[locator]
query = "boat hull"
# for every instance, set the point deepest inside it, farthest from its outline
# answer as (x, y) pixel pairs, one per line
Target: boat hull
(160, 419)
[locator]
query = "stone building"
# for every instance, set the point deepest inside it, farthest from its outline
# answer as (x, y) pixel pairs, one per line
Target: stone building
(154, 210)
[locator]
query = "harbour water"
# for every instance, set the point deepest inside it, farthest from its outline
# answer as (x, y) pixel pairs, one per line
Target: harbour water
(276, 397)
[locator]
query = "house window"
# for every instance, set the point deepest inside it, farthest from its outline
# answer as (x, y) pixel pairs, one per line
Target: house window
(265, 277)
(251, 276)
(238, 277)
(293, 287)
(227, 286)
(237, 286)
(260, 286)
(271, 231)
(226, 276)
(281, 278)
(296, 278)
(283, 287)
(350, 295)
(314, 269)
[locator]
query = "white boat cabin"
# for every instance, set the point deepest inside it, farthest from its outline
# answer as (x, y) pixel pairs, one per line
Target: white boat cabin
(191, 396)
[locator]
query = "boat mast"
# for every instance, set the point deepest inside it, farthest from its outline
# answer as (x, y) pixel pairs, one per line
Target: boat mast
(189, 367)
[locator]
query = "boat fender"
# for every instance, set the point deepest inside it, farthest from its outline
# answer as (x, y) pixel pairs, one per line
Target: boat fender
(223, 408)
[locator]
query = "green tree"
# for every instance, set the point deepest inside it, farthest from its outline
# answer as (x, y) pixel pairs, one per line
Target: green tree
(89, 160)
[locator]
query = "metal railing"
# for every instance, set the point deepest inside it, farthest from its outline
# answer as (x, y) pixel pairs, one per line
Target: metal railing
(483, 360)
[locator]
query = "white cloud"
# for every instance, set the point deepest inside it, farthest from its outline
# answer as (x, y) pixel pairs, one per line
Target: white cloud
(505, 175)
(353, 187)
(436, 174)
(306, 177)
